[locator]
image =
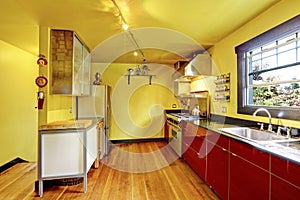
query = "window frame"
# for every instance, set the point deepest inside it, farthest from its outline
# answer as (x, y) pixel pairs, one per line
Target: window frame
(273, 34)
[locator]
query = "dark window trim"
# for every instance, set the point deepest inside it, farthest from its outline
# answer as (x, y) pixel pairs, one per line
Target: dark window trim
(273, 34)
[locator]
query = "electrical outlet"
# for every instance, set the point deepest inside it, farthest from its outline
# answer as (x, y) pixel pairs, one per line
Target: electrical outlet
(71, 110)
(224, 109)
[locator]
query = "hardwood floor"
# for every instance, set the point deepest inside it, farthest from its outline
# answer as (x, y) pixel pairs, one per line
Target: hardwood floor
(128, 173)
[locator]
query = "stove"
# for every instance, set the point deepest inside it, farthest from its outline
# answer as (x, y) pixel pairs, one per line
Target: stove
(175, 132)
(184, 116)
(175, 118)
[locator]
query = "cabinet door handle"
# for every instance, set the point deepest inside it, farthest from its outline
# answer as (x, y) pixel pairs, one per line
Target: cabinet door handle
(233, 154)
(223, 149)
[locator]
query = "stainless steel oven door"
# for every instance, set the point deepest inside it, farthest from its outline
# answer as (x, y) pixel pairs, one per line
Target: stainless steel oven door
(175, 140)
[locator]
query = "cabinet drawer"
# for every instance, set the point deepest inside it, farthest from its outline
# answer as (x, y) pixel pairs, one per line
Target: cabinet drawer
(192, 129)
(285, 169)
(217, 139)
(255, 156)
(196, 143)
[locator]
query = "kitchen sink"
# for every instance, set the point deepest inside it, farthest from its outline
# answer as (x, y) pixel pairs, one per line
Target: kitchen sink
(256, 135)
(291, 144)
(291, 148)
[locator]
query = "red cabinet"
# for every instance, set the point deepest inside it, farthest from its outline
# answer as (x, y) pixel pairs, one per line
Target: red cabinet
(166, 131)
(218, 163)
(285, 179)
(237, 170)
(194, 147)
(249, 176)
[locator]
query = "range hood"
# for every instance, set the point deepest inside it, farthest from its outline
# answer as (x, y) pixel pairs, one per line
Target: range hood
(200, 65)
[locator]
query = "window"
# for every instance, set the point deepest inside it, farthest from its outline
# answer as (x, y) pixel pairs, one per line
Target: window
(269, 72)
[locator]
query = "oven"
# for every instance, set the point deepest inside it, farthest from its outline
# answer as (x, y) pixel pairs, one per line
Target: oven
(175, 131)
(175, 136)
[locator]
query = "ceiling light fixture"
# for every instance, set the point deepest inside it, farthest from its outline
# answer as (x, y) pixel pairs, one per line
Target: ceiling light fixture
(126, 28)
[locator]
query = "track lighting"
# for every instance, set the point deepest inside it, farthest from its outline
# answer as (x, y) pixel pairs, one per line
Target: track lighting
(125, 27)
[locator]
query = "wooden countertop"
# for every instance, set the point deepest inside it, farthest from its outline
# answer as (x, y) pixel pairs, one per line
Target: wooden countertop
(69, 124)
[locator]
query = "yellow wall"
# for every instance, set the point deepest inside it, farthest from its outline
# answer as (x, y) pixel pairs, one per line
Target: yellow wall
(137, 109)
(224, 56)
(18, 116)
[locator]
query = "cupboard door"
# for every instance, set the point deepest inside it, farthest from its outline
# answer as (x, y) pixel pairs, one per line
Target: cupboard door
(166, 131)
(248, 180)
(281, 189)
(70, 64)
(86, 72)
(61, 61)
(197, 162)
(285, 182)
(218, 168)
(194, 147)
(78, 67)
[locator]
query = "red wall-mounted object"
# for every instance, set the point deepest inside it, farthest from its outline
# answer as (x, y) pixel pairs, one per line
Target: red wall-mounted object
(40, 103)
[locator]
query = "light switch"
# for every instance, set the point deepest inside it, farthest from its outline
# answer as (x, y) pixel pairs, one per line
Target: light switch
(224, 109)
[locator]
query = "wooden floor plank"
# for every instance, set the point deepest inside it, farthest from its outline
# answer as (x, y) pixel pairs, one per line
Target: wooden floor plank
(142, 171)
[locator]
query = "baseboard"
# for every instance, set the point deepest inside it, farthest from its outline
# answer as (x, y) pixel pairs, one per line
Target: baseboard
(137, 140)
(11, 163)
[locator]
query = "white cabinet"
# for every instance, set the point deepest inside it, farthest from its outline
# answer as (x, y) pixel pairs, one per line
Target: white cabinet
(67, 153)
(70, 64)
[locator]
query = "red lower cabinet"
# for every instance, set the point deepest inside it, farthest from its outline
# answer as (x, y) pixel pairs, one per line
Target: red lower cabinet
(237, 170)
(218, 165)
(285, 179)
(166, 131)
(247, 181)
(197, 163)
(249, 177)
(194, 147)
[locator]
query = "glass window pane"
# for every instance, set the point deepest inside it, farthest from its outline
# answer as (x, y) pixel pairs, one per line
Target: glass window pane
(287, 57)
(255, 66)
(269, 62)
(287, 47)
(286, 95)
(269, 53)
(286, 39)
(275, 76)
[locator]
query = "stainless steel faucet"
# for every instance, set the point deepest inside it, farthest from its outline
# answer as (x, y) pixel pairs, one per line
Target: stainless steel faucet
(270, 118)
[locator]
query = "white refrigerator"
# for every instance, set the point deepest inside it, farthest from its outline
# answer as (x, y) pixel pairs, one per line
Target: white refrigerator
(97, 105)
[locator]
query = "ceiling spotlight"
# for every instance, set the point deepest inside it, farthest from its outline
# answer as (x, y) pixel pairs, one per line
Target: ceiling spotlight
(124, 26)
(135, 53)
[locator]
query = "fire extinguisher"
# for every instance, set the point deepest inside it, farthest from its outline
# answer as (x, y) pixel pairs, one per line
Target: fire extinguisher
(41, 98)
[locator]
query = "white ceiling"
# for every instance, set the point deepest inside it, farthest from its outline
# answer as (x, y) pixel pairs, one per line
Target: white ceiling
(165, 30)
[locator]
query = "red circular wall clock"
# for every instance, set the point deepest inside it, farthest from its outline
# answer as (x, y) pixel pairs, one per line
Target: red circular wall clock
(41, 81)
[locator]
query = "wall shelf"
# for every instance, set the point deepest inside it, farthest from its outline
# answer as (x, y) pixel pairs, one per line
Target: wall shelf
(222, 90)
(150, 77)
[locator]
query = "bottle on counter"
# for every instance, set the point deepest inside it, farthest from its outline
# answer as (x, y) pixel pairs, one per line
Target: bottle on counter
(196, 111)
